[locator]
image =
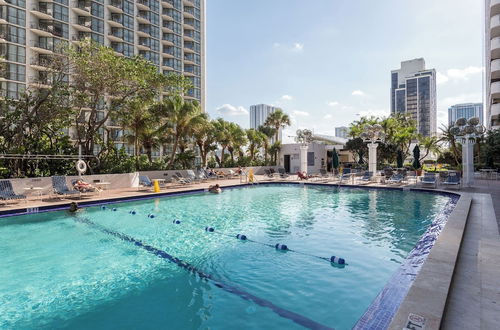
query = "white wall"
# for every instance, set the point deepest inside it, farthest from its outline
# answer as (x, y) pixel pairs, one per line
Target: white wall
(293, 150)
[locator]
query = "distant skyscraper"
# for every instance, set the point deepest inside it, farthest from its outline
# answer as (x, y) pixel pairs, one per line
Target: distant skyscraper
(492, 63)
(413, 91)
(259, 114)
(342, 132)
(466, 110)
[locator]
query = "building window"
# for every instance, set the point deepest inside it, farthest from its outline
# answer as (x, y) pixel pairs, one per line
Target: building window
(310, 159)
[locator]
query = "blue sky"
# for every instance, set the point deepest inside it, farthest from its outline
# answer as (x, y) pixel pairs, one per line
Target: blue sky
(325, 62)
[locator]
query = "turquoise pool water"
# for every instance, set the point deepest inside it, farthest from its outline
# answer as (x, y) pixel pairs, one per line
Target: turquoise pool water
(89, 271)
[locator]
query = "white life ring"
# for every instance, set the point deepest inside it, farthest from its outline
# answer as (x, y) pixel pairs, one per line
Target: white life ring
(81, 166)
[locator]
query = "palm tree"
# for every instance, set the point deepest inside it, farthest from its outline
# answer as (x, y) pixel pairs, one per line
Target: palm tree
(278, 119)
(430, 144)
(268, 133)
(237, 139)
(274, 150)
(205, 138)
(136, 119)
(179, 117)
(150, 139)
(448, 137)
(222, 137)
(255, 140)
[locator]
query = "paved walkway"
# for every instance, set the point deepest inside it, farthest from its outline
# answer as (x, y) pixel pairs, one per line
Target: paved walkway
(491, 187)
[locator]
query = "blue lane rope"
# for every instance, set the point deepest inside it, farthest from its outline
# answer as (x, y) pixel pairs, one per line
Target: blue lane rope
(297, 318)
(279, 246)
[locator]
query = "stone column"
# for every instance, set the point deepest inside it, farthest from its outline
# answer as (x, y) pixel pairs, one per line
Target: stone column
(468, 163)
(372, 157)
(303, 158)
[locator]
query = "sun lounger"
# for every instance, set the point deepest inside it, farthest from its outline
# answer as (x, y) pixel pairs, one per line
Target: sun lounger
(145, 182)
(61, 188)
(346, 175)
(178, 178)
(7, 192)
(429, 179)
(367, 177)
(453, 179)
(396, 178)
(283, 174)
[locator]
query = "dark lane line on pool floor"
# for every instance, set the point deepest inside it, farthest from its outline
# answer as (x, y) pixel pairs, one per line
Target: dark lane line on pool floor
(297, 318)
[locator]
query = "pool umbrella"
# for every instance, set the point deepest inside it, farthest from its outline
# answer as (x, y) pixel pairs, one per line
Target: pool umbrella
(416, 157)
(335, 159)
(399, 159)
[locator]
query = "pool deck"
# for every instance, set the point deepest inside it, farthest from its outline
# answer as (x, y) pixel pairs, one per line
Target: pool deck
(458, 286)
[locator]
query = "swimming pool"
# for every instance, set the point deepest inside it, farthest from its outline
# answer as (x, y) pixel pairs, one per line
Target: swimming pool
(109, 268)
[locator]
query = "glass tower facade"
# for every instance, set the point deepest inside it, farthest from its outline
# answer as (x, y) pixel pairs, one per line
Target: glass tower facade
(413, 92)
(466, 110)
(258, 116)
(168, 33)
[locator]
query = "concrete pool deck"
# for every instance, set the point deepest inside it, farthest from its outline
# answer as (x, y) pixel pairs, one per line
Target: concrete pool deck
(458, 285)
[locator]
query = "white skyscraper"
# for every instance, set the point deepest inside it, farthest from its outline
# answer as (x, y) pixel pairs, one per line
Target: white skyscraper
(413, 92)
(258, 116)
(492, 63)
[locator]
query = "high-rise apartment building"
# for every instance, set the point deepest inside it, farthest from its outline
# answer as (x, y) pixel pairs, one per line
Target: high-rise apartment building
(413, 92)
(169, 33)
(492, 63)
(342, 132)
(258, 116)
(465, 110)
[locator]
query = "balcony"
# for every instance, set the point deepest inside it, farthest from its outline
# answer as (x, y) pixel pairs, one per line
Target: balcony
(115, 6)
(166, 14)
(115, 20)
(41, 63)
(82, 8)
(189, 23)
(142, 4)
(495, 26)
(143, 18)
(189, 59)
(167, 4)
(115, 36)
(495, 48)
(42, 11)
(189, 12)
(42, 48)
(40, 82)
(494, 7)
(80, 37)
(42, 29)
(495, 69)
(495, 90)
(83, 24)
(187, 3)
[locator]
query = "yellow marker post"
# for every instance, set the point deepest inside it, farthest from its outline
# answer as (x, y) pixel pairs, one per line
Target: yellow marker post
(250, 176)
(156, 186)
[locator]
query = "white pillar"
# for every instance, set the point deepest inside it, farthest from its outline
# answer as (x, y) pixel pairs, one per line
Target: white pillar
(303, 158)
(468, 163)
(372, 157)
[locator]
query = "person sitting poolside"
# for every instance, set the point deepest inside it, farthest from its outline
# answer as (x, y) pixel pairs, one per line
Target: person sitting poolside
(215, 189)
(302, 175)
(83, 186)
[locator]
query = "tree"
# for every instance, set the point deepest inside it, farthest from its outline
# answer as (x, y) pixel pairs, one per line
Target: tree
(274, 150)
(268, 132)
(277, 119)
(103, 83)
(237, 139)
(448, 137)
(358, 147)
(178, 118)
(222, 136)
(255, 141)
(491, 149)
(430, 144)
(205, 138)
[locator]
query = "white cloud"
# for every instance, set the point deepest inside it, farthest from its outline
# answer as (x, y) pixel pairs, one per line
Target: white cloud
(298, 47)
(287, 97)
(301, 113)
(441, 78)
(358, 93)
(332, 103)
(294, 47)
(458, 74)
(231, 110)
(329, 116)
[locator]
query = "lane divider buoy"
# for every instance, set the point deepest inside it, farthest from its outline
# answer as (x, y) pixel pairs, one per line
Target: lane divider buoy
(241, 237)
(103, 207)
(114, 208)
(132, 212)
(281, 247)
(176, 222)
(210, 229)
(151, 215)
(337, 260)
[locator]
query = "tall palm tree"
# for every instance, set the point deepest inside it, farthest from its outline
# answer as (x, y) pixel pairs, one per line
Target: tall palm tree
(178, 117)
(205, 138)
(448, 137)
(268, 132)
(278, 119)
(222, 137)
(430, 144)
(150, 139)
(274, 150)
(237, 139)
(136, 119)
(255, 140)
